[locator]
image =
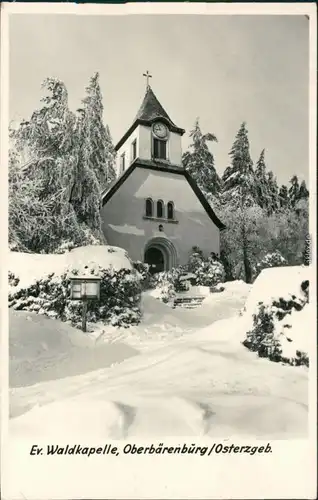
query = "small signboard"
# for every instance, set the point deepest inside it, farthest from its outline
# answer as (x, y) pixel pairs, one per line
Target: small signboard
(85, 287)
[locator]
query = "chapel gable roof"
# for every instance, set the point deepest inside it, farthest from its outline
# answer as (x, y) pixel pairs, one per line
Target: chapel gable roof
(157, 166)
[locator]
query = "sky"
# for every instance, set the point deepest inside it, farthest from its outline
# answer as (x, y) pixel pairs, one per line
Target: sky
(222, 69)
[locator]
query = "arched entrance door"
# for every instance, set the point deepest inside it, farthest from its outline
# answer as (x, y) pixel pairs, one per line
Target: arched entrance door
(155, 259)
(160, 254)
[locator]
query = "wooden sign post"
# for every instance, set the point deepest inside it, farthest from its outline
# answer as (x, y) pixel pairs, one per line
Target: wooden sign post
(85, 288)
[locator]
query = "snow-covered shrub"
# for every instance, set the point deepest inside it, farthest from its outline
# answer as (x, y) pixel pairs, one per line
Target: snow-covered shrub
(163, 285)
(201, 270)
(120, 294)
(274, 259)
(143, 271)
(168, 283)
(195, 260)
(209, 271)
(274, 328)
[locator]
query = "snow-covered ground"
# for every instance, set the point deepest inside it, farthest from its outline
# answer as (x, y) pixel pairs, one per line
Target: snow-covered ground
(161, 323)
(45, 349)
(191, 377)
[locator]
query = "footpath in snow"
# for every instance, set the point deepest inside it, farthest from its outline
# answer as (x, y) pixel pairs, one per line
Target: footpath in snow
(201, 381)
(42, 349)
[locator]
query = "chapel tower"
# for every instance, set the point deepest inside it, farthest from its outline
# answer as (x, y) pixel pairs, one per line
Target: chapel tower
(155, 210)
(152, 137)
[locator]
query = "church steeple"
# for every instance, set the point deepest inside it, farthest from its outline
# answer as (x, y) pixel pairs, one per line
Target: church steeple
(151, 109)
(153, 136)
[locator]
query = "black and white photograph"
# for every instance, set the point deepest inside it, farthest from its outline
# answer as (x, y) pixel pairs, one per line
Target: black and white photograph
(160, 271)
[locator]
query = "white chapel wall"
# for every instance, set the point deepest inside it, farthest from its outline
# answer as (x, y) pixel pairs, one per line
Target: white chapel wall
(127, 149)
(175, 152)
(143, 135)
(124, 224)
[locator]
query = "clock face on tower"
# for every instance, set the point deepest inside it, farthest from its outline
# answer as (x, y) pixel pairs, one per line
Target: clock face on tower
(160, 130)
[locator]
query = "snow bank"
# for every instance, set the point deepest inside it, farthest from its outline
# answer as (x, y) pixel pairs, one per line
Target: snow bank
(226, 303)
(274, 283)
(72, 418)
(104, 256)
(31, 267)
(235, 287)
(278, 299)
(43, 349)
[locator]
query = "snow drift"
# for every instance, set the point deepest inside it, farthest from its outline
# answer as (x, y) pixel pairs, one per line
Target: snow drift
(43, 349)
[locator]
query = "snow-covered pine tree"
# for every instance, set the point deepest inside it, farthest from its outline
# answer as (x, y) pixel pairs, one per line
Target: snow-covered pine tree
(283, 198)
(43, 152)
(303, 192)
(293, 191)
(199, 161)
(100, 150)
(273, 193)
(58, 197)
(261, 183)
(302, 201)
(85, 193)
(238, 179)
(239, 192)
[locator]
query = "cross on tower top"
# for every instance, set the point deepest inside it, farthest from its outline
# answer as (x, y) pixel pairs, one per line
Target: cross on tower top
(147, 75)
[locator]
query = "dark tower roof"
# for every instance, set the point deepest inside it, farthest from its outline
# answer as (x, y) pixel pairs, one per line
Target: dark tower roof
(149, 111)
(151, 108)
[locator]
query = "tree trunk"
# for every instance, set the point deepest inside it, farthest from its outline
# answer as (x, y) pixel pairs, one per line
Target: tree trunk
(246, 261)
(227, 267)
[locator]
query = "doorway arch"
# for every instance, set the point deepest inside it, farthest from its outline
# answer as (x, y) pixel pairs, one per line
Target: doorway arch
(160, 254)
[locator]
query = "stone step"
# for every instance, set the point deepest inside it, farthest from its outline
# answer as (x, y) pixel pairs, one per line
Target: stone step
(188, 302)
(189, 299)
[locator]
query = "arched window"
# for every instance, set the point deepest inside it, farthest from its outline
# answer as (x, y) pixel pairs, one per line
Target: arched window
(170, 210)
(149, 207)
(159, 209)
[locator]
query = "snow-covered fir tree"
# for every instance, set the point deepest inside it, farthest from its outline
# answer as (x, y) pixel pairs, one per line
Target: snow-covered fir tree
(261, 184)
(238, 178)
(44, 159)
(57, 197)
(100, 151)
(239, 193)
(293, 191)
(199, 161)
(303, 192)
(85, 193)
(283, 198)
(273, 193)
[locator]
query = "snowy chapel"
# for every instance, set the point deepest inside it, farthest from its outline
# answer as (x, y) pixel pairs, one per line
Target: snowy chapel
(155, 210)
